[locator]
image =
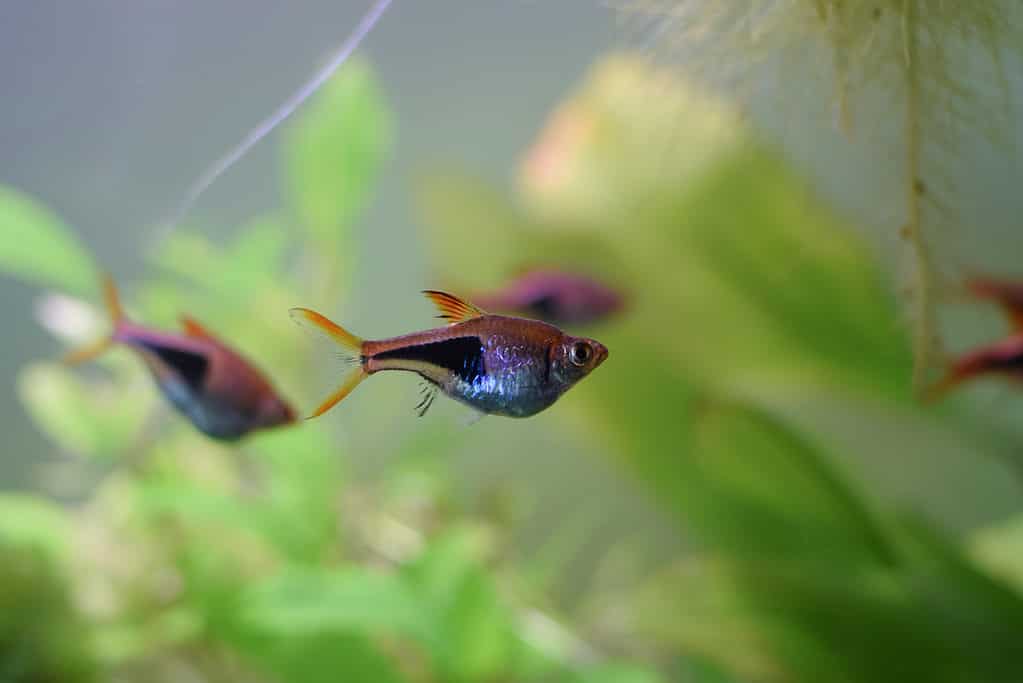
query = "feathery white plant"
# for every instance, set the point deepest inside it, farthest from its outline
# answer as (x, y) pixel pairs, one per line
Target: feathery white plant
(922, 93)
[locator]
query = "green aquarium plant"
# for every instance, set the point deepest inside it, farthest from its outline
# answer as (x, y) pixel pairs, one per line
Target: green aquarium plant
(765, 376)
(901, 111)
(757, 401)
(185, 558)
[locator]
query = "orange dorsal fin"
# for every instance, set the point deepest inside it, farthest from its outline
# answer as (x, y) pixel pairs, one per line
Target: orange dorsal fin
(193, 328)
(451, 308)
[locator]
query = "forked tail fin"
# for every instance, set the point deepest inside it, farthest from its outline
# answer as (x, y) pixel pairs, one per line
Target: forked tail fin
(351, 354)
(116, 313)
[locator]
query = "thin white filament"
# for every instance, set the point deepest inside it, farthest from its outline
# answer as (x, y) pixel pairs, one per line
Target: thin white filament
(287, 108)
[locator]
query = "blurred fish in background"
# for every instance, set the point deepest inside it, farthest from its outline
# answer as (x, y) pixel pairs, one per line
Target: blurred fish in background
(556, 296)
(1003, 358)
(220, 392)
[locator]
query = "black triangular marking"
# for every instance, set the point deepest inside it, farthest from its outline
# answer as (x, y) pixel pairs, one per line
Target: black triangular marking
(188, 365)
(461, 355)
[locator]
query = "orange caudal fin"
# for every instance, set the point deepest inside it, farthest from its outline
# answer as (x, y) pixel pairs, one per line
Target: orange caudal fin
(451, 308)
(116, 313)
(351, 352)
(351, 381)
(87, 353)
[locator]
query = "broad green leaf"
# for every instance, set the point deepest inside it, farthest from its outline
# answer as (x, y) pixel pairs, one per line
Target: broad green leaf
(478, 238)
(190, 503)
(311, 602)
(615, 673)
(29, 520)
(475, 234)
(257, 254)
(83, 416)
(474, 636)
(236, 273)
(42, 637)
(769, 490)
(812, 285)
(933, 618)
(335, 151)
(191, 256)
(39, 248)
(999, 549)
(740, 273)
(642, 411)
(692, 606)
(614, 148)
(322, 658)
(304, 474)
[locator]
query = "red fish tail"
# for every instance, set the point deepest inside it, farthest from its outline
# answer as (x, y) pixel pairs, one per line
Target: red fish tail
(113, 304)
(962, 370)
(351, 352)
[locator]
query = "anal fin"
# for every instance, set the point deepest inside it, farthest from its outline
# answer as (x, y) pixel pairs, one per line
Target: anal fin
(427, 394)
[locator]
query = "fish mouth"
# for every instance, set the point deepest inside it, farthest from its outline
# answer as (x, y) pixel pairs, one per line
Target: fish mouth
(602, 353)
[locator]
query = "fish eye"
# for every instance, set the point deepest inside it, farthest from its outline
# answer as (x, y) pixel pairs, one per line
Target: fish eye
(580, 353)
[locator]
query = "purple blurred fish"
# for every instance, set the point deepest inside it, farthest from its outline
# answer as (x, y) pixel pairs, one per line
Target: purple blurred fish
(555, 296)
(220, 392)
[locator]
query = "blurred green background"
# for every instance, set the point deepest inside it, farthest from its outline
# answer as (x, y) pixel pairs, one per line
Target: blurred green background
(747, 490)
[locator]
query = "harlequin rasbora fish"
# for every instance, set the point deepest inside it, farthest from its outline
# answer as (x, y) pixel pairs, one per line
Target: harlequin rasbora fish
(1004, 357)
(220, 392)
(556, 296)
(495, 364)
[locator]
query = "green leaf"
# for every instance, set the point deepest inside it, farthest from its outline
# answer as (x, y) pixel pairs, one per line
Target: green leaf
(615, 673)
(999, 548)
(29, 520)
(310, 602)
(39, 248)
(759, 481)
(82, 416)
(190, 503)
(474, 637)
(42, 637)
(335, 152)
(813, 287)
(744, 276)
(936, 618)
(327, 658)
(462, 213)
(304, 476)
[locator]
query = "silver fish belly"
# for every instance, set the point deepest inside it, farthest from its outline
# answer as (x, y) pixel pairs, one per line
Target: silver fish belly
(515, 382)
